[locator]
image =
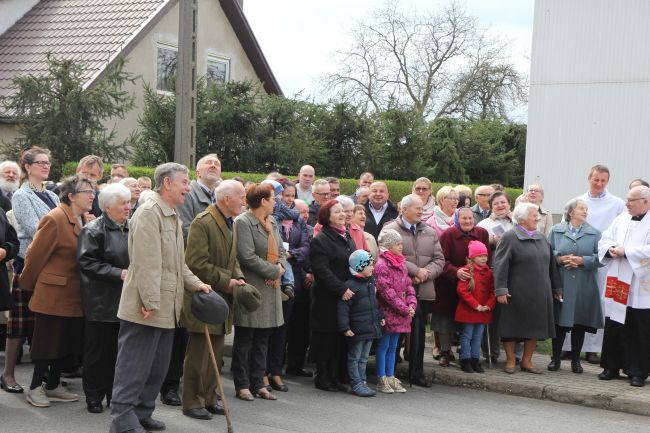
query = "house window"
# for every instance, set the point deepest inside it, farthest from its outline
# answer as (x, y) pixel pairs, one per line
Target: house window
(218, 70)
(165, 67)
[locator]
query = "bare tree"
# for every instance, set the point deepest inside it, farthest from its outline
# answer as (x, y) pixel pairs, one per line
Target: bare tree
(431, 62)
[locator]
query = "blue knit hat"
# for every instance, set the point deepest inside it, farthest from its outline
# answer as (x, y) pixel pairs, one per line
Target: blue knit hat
(359, 260)
(276, 186)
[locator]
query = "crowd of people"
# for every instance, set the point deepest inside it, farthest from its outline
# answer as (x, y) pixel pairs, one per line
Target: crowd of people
(99, 275)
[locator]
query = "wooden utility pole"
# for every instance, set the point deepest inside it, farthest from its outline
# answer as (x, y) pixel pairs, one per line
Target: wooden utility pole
(185, 139)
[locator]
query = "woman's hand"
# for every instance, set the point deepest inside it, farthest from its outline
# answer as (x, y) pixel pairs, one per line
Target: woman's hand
(347, 295)
(503, 299)
(309, 279)
(349, 333)
(123, 274)
(3, 253)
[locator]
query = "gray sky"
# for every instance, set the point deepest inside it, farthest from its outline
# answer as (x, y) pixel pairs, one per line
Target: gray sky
(299, 37)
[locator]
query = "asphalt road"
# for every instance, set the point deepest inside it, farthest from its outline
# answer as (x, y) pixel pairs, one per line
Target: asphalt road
(305, 409)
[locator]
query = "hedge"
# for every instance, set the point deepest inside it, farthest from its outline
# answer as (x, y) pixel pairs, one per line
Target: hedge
(396, 188)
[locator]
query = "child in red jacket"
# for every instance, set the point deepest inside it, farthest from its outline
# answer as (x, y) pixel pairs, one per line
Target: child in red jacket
(475, 305)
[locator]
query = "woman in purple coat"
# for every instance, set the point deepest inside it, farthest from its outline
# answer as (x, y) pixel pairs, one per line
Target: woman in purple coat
(454, 242)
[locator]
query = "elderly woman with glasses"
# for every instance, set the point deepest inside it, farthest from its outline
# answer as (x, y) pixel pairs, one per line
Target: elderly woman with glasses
(443, 214)
(103, 259)
(52, 273)
(526, 281)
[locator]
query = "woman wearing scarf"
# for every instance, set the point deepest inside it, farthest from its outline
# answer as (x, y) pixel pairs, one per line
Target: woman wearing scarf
(355, 231)
(455, 247)
(500, 219)
(526, 279)
(262, 259)
(422, 188)
(329, 253)
(443, 214)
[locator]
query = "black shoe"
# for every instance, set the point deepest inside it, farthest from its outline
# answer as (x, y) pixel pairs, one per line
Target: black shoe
(198, 413)
(170, 397)
(94, 407)
(466, 365)
(576, 367)
(592, 358)
(277, 386)
(216, 409)
(325, 386)
(608, 374)
(637, 381)
(476, 365)
(554, 365)
(420, 381)
(152, 424)
(300, 373)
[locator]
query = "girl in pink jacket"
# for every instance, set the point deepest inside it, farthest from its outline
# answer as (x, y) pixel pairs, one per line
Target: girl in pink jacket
(397, 301)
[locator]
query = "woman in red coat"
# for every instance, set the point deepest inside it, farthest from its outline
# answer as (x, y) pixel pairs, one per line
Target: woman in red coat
(454, 242)
(475, 305)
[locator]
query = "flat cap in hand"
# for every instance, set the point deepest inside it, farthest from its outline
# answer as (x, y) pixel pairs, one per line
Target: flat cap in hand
(210, 307)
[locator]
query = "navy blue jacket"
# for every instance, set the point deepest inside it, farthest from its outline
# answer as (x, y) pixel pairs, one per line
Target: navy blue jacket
(361, 313)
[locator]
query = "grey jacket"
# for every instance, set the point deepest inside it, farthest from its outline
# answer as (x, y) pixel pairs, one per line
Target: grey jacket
(421, 251)
(196, 201)
(29, 209)
(252, 246)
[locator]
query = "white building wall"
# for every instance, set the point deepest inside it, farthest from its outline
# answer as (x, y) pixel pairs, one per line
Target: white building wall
(589, 97)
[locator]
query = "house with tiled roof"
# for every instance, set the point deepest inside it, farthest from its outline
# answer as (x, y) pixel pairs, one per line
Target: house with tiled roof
(145, 32)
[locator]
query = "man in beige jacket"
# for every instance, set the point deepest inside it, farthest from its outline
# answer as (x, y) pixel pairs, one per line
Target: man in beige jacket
(151, 302)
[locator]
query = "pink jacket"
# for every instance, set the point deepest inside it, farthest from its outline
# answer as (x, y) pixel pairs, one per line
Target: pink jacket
(395, 294)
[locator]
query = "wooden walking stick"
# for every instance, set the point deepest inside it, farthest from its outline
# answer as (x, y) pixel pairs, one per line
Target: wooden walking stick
(216, 371)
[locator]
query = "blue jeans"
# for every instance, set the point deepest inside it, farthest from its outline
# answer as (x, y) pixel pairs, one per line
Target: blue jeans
(358, 351)
(470, 340)
(287, 277)
(386, 349)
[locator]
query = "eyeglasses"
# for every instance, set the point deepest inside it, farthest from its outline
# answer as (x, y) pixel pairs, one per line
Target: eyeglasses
(43, 163)
(421, 188)
(86, 191)
(322, 194)
(484, 195)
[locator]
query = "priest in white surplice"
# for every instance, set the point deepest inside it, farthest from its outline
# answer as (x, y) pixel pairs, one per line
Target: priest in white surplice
(603, 208)
(625, 248)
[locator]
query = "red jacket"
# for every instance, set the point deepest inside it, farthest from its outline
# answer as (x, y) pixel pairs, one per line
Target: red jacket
(483, 294)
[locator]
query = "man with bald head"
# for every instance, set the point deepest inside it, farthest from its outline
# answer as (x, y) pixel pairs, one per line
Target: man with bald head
(481, 209)
(625, 249)
(379, 209)
(424, 261)
(303, 186)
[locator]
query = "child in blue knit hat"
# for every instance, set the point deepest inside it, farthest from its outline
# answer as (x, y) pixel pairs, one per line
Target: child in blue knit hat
(360, 320)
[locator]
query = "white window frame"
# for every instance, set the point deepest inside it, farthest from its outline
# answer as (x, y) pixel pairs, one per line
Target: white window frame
(160, 46)
(214, 58)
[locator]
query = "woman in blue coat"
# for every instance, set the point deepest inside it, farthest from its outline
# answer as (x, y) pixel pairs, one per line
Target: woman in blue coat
(575, 247)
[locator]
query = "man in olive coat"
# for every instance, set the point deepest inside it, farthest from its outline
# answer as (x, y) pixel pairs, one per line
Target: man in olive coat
(212, 256)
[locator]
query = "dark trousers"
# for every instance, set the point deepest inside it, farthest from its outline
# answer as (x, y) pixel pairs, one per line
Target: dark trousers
(199, 378)
(142, 359)
(298, 336)
(175, 370)
(628, 346)
(249, 349)
(100, 355)
(278, 342)
(418, 335)
(577, 340)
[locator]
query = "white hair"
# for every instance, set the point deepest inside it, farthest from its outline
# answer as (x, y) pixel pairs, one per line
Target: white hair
(111, 194)
(5, 164)
(522, 211)
(408, 201)
(168, 169)
(145, 195)
(127, 179)
(320, 182)
(227, 188)
(345, 201)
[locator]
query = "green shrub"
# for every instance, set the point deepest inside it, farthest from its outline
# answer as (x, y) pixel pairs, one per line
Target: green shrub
(396, 188)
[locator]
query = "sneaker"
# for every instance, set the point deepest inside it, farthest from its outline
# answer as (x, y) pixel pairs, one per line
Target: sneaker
(372, 391)
(60, 394)
(395, 384)
(361, 390)
(36, 397)
(383, 385)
